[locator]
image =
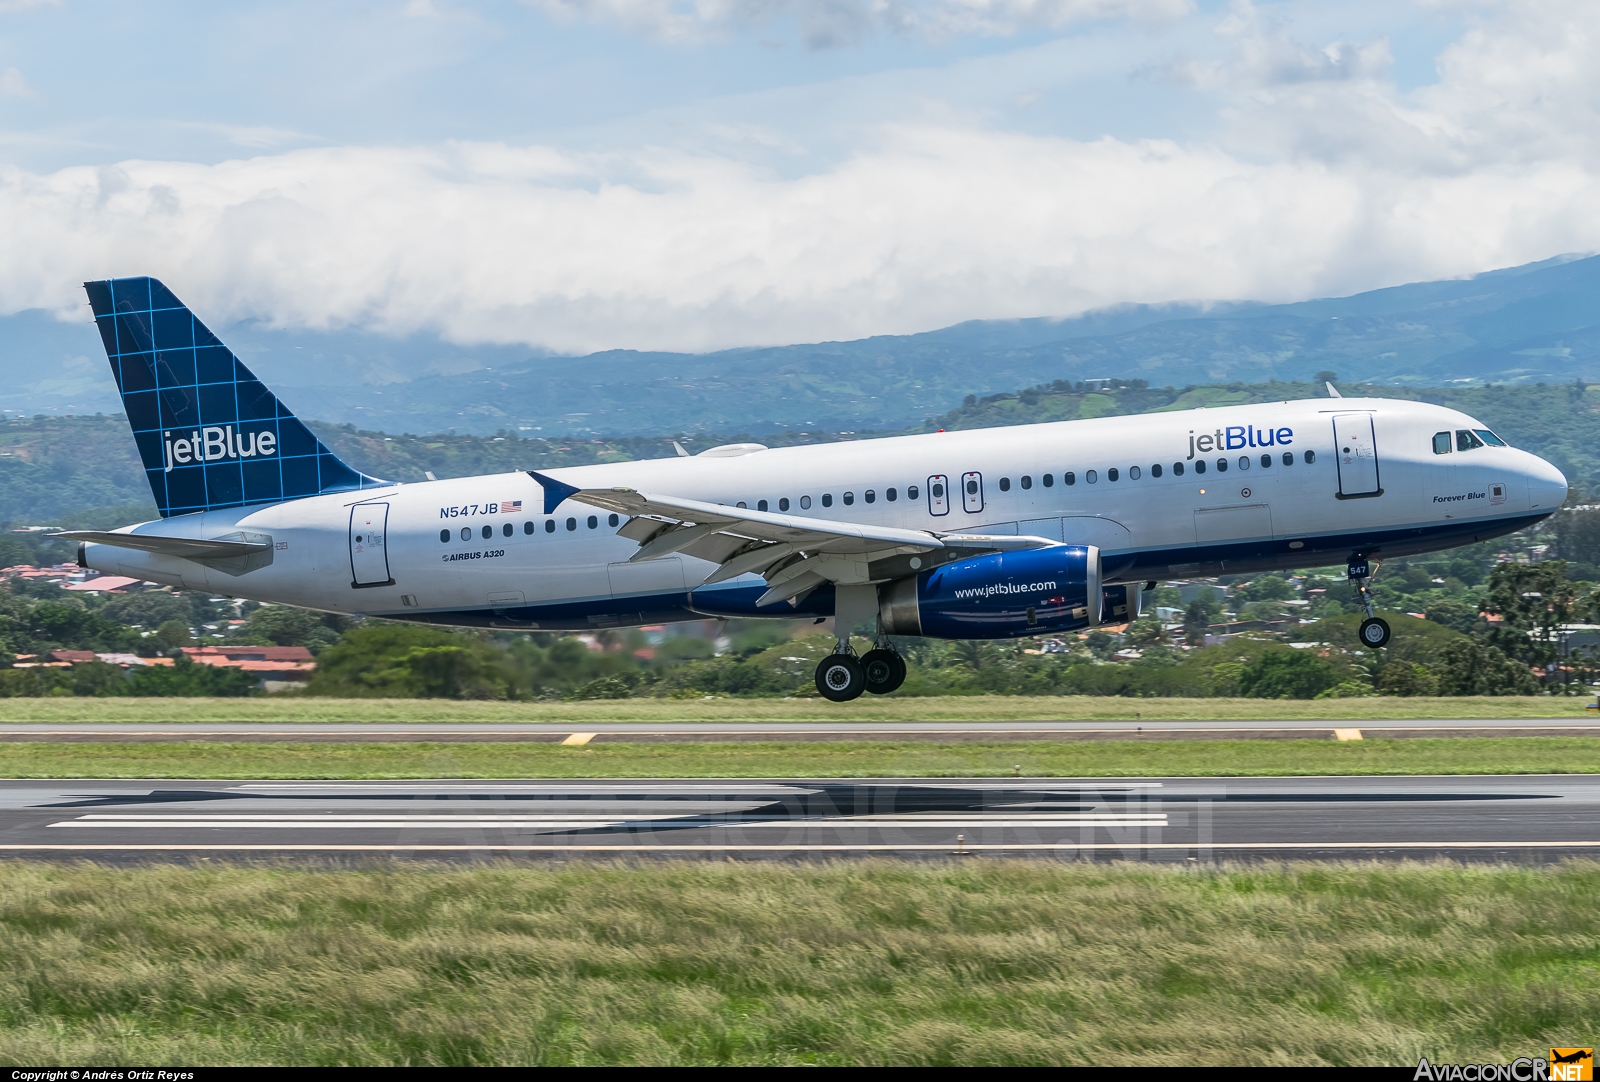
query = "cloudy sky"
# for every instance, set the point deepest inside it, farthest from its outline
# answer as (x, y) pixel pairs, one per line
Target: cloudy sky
(694, 174)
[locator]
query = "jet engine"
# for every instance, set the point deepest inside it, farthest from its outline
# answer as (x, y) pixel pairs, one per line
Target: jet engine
(1003, 595)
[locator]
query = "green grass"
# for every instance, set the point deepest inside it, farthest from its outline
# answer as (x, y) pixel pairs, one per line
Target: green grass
(295, 708)
(876, 962)
(876, 759)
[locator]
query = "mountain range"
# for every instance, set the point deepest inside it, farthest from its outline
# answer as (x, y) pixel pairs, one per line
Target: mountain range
(1538, 323)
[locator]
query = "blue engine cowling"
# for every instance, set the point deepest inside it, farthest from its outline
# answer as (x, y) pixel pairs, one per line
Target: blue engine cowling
(1003, 595)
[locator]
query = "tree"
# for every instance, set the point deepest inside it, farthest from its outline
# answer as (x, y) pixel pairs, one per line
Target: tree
(380, 660)
(1534, 601)
(1287, 674)
(184, 678)
(1196, 618)
(286, 625)
(1468, 667)
(1406, 678)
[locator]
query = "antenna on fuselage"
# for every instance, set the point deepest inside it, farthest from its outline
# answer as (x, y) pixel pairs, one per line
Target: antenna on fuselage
(1333, 392)
(678, 447)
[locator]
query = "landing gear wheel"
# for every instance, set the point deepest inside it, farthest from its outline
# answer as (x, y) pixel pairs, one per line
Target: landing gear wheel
(885, 671)
(840, 678)
(1375, 632)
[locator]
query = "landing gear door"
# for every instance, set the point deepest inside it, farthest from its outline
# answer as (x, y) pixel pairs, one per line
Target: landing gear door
(369, 545)
(938, 494)
(1358, 455)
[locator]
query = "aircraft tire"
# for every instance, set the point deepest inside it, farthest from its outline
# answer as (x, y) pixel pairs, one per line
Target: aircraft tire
(885, 671)
(840, 678)
(1375, 632)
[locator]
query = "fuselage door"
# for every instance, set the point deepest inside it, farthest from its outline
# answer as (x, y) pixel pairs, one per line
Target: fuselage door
(938, 494)
(1358, 454)
(369, 547)
(972, 491)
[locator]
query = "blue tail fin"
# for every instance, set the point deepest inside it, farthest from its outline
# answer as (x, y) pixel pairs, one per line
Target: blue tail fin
(210, 434)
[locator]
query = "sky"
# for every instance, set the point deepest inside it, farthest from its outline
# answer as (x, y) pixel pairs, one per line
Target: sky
(575, 175)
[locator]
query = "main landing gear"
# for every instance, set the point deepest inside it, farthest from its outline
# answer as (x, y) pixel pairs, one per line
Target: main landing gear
(841, 676)
(1374, 631)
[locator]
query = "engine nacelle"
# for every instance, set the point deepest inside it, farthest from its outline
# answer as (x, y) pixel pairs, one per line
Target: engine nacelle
(1121, 604)
(1003, 595)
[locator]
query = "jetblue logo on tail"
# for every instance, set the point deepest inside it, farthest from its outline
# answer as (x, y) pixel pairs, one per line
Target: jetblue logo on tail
(211, 444)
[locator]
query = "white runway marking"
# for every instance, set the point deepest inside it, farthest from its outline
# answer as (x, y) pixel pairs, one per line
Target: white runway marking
(865, 847)
(446, 822)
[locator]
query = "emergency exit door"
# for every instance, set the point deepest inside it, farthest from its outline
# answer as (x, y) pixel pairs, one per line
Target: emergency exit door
(1357, 451)
(369, 547)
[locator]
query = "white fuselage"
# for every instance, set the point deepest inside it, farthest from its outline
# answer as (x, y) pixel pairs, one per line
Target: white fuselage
(463, 551)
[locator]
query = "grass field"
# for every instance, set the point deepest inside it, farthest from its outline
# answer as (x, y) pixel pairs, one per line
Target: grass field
(294, 708)
(876, 759)
(981, 963)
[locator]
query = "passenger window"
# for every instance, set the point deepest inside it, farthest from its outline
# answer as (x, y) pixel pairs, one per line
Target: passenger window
(466, 533)
(1288, 458)
(870, 496)
(827, 499)
(1155, 470)
(1266, 462)
(1069, 478)
(1200, 465)
(1049, 480)
(1466, 441)
(1177, 469)
(1222, 465)
(1490, 438)
(805, 503)
(593, 522)
(1244, 462)
(911, 492)
(783, 504)
(741, 503)
(1134, 473)
(572, 524)
(1311, 456)
(1111, 474)
(761, 505)
(1005, 485)
(527, 527)
(1027, 482)
(488, 532)
(611, 520)
(1441, 443)
(849, 498)
(507, 530)
(444, 536)
(891, 495)
(549, 525)
(1091, 476)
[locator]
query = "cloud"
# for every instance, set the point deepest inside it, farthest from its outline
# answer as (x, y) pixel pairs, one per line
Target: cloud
(826, 24)
(1316, 186)
(14, 85)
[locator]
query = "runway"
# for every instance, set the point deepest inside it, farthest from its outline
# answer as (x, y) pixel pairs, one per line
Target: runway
(1517, 818)
(677, 732)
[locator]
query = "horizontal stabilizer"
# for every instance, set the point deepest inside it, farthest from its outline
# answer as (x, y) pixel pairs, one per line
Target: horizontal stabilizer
(188, 548)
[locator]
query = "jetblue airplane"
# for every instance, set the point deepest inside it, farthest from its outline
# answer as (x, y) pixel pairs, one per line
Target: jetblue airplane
(989, 534)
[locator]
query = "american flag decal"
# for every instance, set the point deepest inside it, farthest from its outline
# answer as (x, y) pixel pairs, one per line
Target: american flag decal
(511, 505)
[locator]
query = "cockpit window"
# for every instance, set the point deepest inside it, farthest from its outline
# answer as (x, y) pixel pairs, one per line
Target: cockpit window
(1466, 441)
(1490, 438)
(1441, 443)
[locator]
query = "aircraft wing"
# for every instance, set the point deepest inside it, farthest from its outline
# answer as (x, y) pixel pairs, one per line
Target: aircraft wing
(189, 548)
(794, 553)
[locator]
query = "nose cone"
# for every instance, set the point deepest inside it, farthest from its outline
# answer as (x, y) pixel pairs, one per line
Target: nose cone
(1547, 486)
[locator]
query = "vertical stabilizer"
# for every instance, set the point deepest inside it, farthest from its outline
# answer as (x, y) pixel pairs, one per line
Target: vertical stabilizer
(210, 434)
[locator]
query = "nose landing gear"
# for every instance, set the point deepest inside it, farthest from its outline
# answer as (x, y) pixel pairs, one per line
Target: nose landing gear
(1374, 631)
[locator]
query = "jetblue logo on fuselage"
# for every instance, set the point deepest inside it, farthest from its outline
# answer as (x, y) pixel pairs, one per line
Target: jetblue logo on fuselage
(1233, 437)
(215, 443)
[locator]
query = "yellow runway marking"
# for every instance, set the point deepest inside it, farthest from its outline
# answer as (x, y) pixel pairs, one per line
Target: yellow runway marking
(577, 739)
(1347, 734)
